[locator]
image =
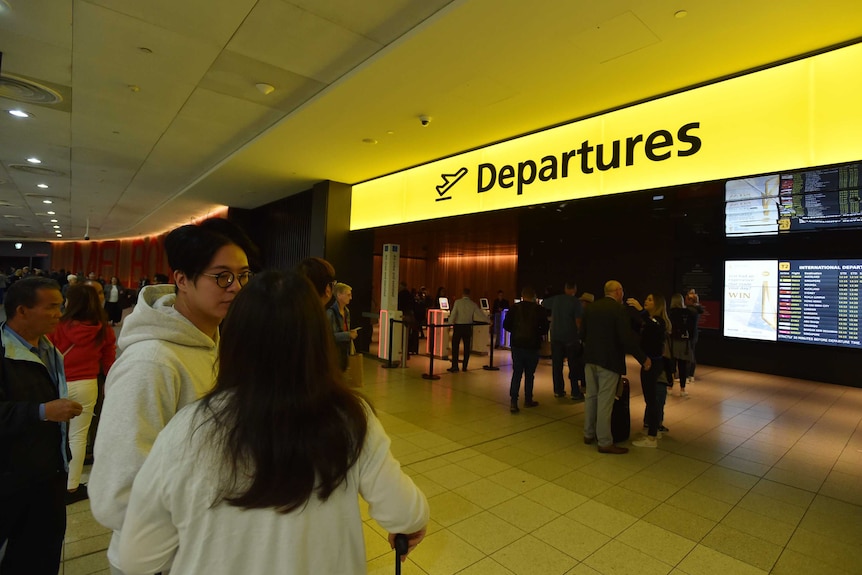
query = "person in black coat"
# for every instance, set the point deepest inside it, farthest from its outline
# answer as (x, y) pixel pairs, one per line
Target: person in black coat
(527, 321)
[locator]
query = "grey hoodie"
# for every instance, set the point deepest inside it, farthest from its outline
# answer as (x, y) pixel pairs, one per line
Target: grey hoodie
(165, 363)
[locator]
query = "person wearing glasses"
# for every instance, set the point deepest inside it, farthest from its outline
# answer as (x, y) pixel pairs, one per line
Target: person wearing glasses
(168, 351)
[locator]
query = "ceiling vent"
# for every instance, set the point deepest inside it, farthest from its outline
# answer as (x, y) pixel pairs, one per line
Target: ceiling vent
(37, 170)
(21, 90)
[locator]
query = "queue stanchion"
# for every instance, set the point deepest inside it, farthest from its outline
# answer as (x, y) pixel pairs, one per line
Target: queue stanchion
(391, 324)
(490, 366)
(430, 374)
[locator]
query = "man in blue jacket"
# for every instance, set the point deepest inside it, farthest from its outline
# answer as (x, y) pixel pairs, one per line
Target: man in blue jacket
(34, 413)
(566, 314)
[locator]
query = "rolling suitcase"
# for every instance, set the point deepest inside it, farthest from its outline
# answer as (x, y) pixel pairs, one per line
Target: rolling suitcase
(621, 420)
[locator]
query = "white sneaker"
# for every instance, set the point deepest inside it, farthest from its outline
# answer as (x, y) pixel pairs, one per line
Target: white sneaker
(646, 442)
(690, 380)
(683, 393)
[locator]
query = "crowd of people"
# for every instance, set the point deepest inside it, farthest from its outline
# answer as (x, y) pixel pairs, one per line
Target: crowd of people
(226, 407)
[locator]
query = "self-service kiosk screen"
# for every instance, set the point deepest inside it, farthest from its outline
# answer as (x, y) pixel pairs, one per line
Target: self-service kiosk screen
(444, 302)
(483, 303)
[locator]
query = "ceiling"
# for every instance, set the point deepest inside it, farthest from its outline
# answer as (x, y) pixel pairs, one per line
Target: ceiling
(150, 115)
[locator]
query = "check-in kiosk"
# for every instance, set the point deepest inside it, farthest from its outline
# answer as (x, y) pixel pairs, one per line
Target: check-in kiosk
(438, 336)
(482, 333)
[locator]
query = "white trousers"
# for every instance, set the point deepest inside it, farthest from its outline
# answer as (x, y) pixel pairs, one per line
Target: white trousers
(85, 392)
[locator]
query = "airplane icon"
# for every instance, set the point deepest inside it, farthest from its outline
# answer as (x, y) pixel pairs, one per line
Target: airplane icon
(449, 180)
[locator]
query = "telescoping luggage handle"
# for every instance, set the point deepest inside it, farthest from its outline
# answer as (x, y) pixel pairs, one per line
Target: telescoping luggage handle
(401, 546)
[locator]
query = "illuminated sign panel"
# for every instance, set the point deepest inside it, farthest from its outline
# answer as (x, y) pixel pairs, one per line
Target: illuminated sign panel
(792, 116)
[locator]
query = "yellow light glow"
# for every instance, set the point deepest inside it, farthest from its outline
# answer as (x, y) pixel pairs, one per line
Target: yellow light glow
(793, 116)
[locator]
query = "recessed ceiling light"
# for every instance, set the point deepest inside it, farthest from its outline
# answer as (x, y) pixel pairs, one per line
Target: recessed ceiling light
(19, 113)
(47, 202)
(34, 160)
(43, 186)
(369, 141)
(56, 227)
(264, 88)
(51, 213)
(679, 14)
(54, 221)
(59, 235)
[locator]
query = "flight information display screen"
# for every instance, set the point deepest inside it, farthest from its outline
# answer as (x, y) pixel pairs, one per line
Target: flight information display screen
(799, 201)
(802, 301)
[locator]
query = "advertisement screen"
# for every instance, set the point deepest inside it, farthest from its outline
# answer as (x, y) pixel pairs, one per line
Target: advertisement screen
(801, 301)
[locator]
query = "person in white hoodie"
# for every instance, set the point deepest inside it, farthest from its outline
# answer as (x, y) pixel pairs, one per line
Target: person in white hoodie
(168, 351)
(263, 475)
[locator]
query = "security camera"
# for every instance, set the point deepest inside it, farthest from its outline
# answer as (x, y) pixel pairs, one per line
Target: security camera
(87, 238)
(425, 120)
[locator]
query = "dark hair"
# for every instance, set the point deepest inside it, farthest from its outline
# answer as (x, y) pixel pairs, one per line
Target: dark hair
(191, 248)
(318, 271)
(26, 292)
(528, 293)
(571, 285)
(285, 424)
(83, 305)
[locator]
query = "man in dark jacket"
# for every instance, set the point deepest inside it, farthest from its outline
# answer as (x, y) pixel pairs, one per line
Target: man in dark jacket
(527, 321)
(566, 314)
(607, 336)
(33, 419)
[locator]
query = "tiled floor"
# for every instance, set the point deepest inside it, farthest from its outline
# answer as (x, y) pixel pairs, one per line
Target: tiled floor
(759, 474)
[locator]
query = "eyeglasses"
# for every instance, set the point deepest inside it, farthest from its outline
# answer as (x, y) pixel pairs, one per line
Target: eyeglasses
(225, 279)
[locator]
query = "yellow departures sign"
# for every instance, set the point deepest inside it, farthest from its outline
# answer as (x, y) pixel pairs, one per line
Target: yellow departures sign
(792, 116)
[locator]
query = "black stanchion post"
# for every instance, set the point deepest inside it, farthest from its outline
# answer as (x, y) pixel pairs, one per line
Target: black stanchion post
(490, 366)
(391, 323)
(430, 374)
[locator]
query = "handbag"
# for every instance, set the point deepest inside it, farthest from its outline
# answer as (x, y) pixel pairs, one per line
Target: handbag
(353, 376)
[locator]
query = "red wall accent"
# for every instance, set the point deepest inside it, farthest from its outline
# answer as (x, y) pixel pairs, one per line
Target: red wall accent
(128, 259)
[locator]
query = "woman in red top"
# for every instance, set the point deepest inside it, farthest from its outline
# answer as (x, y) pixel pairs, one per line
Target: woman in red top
(88, 346)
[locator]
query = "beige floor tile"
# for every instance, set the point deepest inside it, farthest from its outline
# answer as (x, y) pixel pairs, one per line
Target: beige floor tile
(683, 523)
(627, 501)
(606, 470)
(705, 561)
(785, 493)
(386, 566)
(449, 508)
(483, 465)
(772, 508)
(487, 532)
(794, 563)
(512, 455)
(517, 480)
(700, 504)
(428, 486)
(444, 553)
(524, 513)
(72, 549)
(485, 493)
(650, 486)
(555, 498)
(834, 518)
(617, 557)
(718, 489)
(529, 555)
(827, 549)
(743, 546)
(582, 483)
(546, 468)
(451, 476)
(797, 478)
(376, 543)
(582, 569)
(602, 518)
(83, 526)
(757, 525)
(86, 564)
(571, 537)
(656, 542)
(486, 566)
(843, 486)
(745, 465)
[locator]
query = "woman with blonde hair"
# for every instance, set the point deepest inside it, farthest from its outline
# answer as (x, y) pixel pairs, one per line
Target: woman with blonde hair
(88, 346)
(654, 331)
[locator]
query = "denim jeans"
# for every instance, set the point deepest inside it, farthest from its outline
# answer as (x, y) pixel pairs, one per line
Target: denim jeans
(524, 362)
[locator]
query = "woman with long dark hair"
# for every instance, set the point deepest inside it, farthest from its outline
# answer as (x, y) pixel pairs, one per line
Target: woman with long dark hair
(263, 474)
(655, 329)
(88, 346)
